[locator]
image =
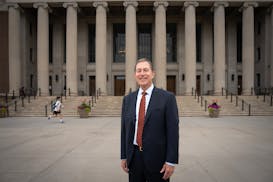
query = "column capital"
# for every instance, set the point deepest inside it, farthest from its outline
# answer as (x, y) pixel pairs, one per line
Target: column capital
(248, 4)
(219, 4)
(43, 5)
(13, 5)
(74, 5)
(165, 4)
(191, 3)
(130, 3)
(100, 3)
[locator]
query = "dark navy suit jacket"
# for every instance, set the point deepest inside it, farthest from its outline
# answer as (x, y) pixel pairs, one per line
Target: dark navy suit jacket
(160, 133)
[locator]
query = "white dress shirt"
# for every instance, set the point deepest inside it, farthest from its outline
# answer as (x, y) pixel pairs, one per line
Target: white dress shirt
(147, 100)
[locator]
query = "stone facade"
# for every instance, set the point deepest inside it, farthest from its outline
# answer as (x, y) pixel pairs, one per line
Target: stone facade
(86, 46)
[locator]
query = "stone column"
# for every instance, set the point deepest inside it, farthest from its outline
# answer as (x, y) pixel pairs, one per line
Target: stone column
(219, 47)
(271, 56)
(248, 47)
(190, 47)
(160, 61)
(131, 45)
(42, 48)
(14, 48)
(71, 48)
(101, 48)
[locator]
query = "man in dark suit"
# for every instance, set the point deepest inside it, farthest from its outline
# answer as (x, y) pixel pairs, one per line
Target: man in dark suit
(149, 129)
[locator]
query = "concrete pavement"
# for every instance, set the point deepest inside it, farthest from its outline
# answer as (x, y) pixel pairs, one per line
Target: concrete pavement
(225, 149)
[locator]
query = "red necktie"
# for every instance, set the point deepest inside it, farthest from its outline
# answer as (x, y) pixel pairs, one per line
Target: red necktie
(141, 117)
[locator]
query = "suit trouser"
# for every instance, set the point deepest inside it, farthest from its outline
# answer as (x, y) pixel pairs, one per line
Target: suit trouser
(139, 173)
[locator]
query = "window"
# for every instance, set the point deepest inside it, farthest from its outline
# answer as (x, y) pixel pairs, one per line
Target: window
(119, 42)
(259, 28)
(30, 29)
(171, 42)
(145, 41)
(239, 42)
(258, 79)
(198, 42)
(64, 33)
(259, 53)
(31, 81)
(91, 43)
(31, 55)
(50, 46)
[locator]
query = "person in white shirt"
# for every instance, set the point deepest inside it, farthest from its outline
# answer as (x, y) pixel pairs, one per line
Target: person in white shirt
(57, 110)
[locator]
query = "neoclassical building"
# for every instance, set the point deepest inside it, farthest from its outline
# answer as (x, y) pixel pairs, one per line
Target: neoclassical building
(84, 45)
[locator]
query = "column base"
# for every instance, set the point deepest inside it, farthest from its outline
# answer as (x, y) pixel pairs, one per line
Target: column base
(218, 93)
(188, 94)
(247, 92)
(103, 94)
(73, 94)
(43, 94)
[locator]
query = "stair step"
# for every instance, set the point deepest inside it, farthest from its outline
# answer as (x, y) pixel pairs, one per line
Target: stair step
(111, 106)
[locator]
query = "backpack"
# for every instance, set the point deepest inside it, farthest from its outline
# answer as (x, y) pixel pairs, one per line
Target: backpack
(53, 106)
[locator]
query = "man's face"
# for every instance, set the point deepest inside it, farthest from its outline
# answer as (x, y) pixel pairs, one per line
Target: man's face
(144, 75)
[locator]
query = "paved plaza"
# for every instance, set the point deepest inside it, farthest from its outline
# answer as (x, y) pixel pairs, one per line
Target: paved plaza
(225, 149)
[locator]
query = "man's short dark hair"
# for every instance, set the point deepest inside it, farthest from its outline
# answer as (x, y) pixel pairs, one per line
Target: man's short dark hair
(141, 60)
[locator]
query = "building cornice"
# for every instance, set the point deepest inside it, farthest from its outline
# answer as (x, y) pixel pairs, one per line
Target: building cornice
(88, 1)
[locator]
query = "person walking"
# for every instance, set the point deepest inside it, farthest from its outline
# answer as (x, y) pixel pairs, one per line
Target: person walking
(57, 106)
(149, 129)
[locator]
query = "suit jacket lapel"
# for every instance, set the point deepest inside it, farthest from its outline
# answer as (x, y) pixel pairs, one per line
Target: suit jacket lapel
(151, 105)
(134, 100)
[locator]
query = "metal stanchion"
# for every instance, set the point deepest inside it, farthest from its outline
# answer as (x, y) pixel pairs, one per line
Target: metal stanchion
(6, 97)
(46, 110)
(7, 110)
(13, 94)
(23, 105)
(15, 106)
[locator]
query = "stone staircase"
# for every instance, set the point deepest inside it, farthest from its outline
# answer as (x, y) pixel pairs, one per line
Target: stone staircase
(108, 106)
(188, 106)
(258, 106)
(111, 106)
(228, 108)
(36, 107)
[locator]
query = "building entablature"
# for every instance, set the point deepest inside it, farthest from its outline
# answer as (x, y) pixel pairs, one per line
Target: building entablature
(88, 3)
